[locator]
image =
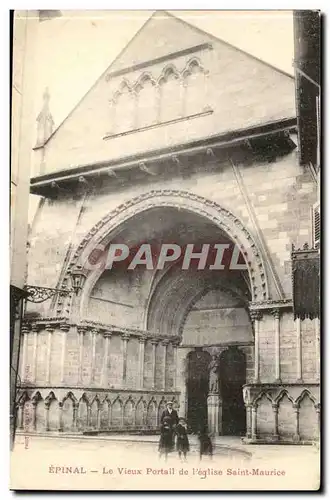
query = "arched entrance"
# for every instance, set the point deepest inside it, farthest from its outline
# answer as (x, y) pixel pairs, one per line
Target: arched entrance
(114, 223)
(197, 389)
(203, 307)
(232, 378)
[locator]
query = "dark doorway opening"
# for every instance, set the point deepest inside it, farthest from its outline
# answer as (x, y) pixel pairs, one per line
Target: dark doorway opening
(232, 379)
(197, 389)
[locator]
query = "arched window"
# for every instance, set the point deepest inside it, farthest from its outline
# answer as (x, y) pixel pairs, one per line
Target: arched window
(194, 84)
(170, 95)
(125, 103)
(146, 92)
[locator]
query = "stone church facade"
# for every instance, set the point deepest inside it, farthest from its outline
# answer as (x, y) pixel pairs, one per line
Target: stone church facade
(184, 139)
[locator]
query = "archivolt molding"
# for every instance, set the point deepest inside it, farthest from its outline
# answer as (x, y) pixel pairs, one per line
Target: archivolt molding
(173, 299)
(111, 224)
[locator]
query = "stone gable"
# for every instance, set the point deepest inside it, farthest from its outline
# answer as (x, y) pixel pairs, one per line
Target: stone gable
(172, 85)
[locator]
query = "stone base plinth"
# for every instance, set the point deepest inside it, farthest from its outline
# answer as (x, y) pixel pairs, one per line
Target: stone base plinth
(214, 411)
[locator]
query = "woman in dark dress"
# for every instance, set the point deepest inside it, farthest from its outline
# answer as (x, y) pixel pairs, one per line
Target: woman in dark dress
(166, 438)
(182, 443)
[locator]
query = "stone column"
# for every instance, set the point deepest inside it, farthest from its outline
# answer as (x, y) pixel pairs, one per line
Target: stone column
(276, 314)
(21, 415)
(181, 382)
(175, 344)
(81, 332)
(256, 318)
(275, 410)
(254, 423)
(34, 352)
(299, 351)
(60, 416)
(318, 412)
(183, 97)
(105, 371)
(142, 341)
(64, 329)
(75, 415)
(89, 415)
(296, 436)
(154, 343)
(49, 329)
(47, 405)
(125, 338)
(25, 332)
(165, 343)
(213, 402)
(158, 102)
(317, 348)
(34, 415)
(248, 420)
(93, 334)
(98, 417)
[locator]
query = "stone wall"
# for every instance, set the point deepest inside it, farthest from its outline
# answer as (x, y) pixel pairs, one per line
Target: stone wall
(95, 356)
(276, 194)
(286, 414)
(73, 410)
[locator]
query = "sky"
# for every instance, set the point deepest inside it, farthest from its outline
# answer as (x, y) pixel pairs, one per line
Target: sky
(75, 49)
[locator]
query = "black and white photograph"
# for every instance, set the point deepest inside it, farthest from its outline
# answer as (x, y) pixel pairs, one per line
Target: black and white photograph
(165, 250)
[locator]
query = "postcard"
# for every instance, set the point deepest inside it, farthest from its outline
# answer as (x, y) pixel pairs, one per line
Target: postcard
(165, 249)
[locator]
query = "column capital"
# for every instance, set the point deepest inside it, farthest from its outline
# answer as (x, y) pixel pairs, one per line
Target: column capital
(143, 338)
(154, 341)
(107, 334)
(175, 341)
(275, 407)
(25, 329)
(256, 315)
(82, 329)
(49, 328)
(35, 327)
(165, 342)
(64, 327)
(125, 336)
(276, 313)
(95, 331)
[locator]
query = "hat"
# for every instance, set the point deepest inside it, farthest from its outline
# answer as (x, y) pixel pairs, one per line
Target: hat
(169, 403)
